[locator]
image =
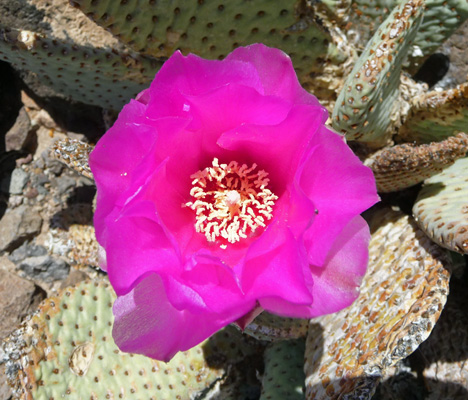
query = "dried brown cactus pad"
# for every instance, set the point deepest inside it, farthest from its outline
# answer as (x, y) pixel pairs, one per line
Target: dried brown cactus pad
(441, 361)
(399, 167)
(75, 154)
(402, 296)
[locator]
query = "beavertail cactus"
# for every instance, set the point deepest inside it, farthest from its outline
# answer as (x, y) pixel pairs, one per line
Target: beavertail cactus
(357, 57)
(66, 349)
(368, 100)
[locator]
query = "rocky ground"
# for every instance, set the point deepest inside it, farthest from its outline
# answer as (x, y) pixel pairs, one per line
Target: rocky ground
(46, 234)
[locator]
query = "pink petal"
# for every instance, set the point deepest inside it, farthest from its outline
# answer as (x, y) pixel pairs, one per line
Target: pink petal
(277, 149)
(112, 167)
(276, 73)
(295, 209)
(138, 226)
(146, 322)
(284, 308)
(337, 285)
(192, 76)
(204, 285)
(276, 265)
(340, 187)
(233, 105)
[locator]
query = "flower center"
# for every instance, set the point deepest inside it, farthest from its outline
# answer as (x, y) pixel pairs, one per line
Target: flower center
(231, 201)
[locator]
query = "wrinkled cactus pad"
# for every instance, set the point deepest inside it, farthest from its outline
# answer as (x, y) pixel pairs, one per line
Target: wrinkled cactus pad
(402, 296)
(441, 360)
(441, 19)
(74, 154)
(401, 166)
(271, 327)
(441, 208)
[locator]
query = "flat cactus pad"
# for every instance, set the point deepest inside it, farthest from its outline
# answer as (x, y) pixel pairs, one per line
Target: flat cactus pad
(402, 296)
(283, 378)
(441, 209)
(213, 28)
(90, 75)
(67, 350)
(271, 327)
(366, 104)
(436, 116)
(401, 166)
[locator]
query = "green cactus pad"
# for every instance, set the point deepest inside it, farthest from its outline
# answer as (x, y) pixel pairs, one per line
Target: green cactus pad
(213, 28)
(365, 105)
(441, 19)
(436, 115)
(272, 327)
(284, 377)
(402, 296)
(66, 350)
(90, 75)
(399, 167)
(242, 381)
(366, 16)
(230, 346)
(441, 208)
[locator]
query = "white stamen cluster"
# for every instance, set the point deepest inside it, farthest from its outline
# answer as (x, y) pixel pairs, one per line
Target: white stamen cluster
(231, 201)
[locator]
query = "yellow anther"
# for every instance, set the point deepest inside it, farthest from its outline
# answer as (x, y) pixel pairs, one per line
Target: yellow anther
(231, 201)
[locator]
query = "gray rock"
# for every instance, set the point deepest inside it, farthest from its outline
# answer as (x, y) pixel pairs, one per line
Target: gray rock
(27, 250)
(17, 226)
(19, 179)
(39, 163)
(54, 166)
(65, 183)
(18, 298)
(21, 135)
(45, 268)
(39, 181)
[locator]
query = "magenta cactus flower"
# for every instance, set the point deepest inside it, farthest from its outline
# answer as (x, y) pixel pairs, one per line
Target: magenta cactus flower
(220, 190)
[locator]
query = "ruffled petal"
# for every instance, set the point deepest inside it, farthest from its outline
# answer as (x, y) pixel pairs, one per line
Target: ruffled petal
(276, 266)
(156, 251)
(340, 186)
(191, 75)
(204, 285)
(147, 323)
(277, 149)
(337, 285)
(295, 209)
(276, 73)
(284, 308)
(112, 167)
(233, 105)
